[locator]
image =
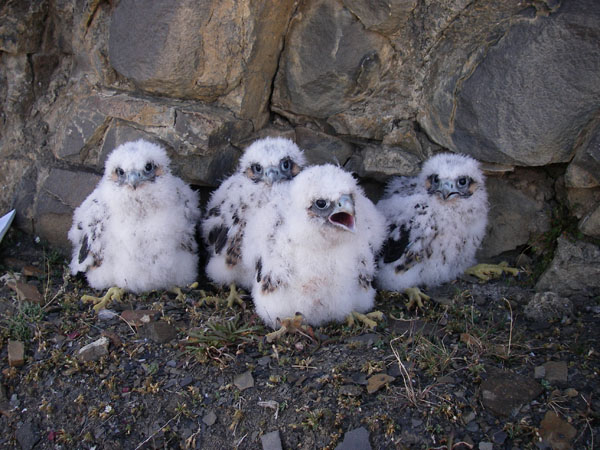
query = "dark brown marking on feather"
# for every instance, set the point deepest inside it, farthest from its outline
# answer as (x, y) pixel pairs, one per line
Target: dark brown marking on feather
(258, 270)
(213, 212)
(84, 250)
(268, 284)
(393, 249)
(234, 249)
(218, 237)
(364, 281)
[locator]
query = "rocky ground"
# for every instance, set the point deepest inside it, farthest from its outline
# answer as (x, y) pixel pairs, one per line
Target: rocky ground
(484, 366)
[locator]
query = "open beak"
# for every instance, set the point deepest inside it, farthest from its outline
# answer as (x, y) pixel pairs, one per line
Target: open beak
(343, 213)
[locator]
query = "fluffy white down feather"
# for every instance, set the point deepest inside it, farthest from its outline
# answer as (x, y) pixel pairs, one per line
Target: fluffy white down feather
(137, 239)
(311, 266)
(230, 205)
(432, 240)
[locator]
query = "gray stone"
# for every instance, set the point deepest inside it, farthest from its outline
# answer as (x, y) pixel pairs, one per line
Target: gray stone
(183, 55)
(548, 306)
(357, 439)
(321, 148)
(385, 17)
(486, 446)
(351, 390)
(94, 350)
(271, 441)
(556, 371)
(519, 210)
(27, 435)
(575, 270)
(209, 418)
(160, 332)
(244, 380)
(62, 191)
(22, 26)
(186, 381)
(329, 62)
(382, 162)
(539, 372)
(584, 169)
(16, 353)
(85, 129)
(504, 393)
(527, 96)
(582, 180)
(590, 224)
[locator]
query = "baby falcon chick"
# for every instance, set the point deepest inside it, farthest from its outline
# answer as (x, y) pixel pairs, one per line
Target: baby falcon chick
(265, 164)
(313, 246)
(136, 229)
(436, 220)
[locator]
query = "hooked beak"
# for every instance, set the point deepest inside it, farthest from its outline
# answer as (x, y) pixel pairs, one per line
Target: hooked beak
(447, 188)
(134, 179)
(343, 213)
(272, 175)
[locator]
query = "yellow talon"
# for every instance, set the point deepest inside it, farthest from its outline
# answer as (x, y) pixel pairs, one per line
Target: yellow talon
(114, 293)
(289, 325)
(234, 296)
(416, 297)
(486, 272)
(369, 319)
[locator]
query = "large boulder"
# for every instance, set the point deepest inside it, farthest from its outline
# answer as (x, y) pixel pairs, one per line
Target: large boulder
(329, 63)
(575, 270)
(201, 50)
(524, 96)
(198, 136)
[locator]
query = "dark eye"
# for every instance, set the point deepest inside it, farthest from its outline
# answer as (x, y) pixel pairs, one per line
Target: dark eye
(256, 168)
(120, 172)
(148, 167)
(321, 204)
(435, 179)
(462, 181)
(285, 165)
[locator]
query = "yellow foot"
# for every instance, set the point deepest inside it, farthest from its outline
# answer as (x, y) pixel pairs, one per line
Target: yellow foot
(369, 319)
(114, 293)
(291, 325)
(180, 294)
(486, 272)
(233, 297)
(416, 297)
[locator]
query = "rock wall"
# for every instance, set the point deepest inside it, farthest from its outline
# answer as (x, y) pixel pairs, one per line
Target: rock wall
(376, 86)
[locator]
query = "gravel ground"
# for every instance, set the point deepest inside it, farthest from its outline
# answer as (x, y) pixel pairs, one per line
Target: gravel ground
(167, 371)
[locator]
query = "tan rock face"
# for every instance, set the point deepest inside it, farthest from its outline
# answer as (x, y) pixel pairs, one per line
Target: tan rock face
(204, 50)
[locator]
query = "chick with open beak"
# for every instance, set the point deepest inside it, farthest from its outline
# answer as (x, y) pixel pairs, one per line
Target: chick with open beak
(343, 213)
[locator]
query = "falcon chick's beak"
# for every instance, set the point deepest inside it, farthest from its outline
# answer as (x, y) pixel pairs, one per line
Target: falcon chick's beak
(134, 179)
(273, 175)
(343, 213)
(447, 188)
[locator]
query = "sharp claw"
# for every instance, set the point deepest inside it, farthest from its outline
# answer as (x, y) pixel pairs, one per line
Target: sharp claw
(416, 298)
(234, 296)
(486, 272)
(289, 325)
(369, 319)
(114, 293)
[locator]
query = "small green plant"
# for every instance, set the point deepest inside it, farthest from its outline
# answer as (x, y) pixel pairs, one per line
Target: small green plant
(20, 326)
(220, 337)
